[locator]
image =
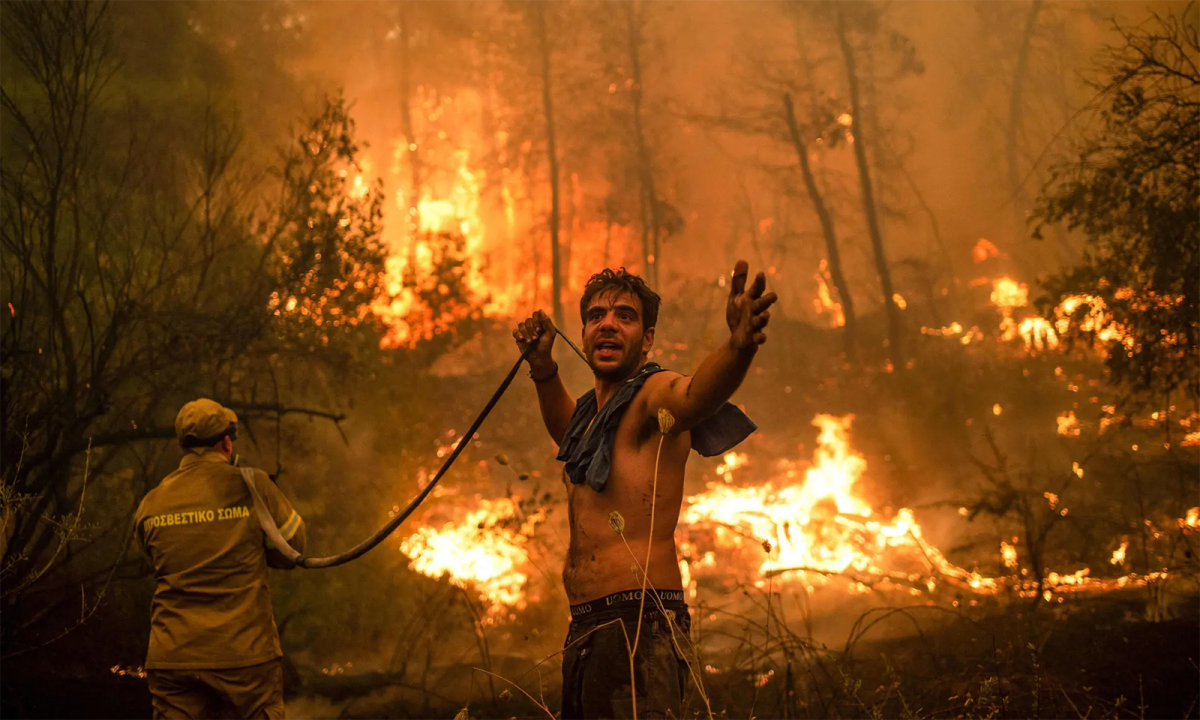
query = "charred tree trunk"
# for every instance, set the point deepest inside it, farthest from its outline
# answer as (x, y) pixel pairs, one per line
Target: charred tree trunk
(895, 328)
(608, 223)
(413, 221)
(552, 152)
(1016, 102)
(831, 245)
(879, 154)
(649, 197)
(569, 226)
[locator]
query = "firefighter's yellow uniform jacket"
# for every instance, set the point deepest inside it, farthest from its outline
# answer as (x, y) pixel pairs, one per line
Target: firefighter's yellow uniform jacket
(212, 603)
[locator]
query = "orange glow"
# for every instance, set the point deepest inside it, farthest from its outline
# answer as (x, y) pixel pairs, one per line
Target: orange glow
(1068, 425)
(1038, 334)
(1087, 313)
(1095, 320)
(821, 526)
(810, 522)
(485, 229)
(730, 462)
(824, 303)
(983, 250)
(1008, 554)
(1008, 293)
(454, 212)
(484, 551)
(1118, 556)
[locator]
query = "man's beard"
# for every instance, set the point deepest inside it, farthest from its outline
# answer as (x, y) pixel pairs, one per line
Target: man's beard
(629, 365)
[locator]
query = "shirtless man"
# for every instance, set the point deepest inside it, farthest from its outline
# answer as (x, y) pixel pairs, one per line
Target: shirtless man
(610, 439)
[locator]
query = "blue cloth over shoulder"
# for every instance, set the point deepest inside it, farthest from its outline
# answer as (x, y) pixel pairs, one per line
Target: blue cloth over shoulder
(587, 446)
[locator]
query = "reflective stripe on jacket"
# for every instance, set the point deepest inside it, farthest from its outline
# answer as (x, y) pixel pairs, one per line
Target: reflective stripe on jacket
(212, 600)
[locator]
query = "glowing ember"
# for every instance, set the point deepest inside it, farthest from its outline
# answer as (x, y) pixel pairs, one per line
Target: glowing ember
(730, 462)
(1008, 293)
(1090, 315)
(1095, 320)
(485, 551)
(824, 303)
(983, 250)
(953, 328)
(1008, 554)
(1118, 556)
(1086, 313)
(1068, 424)
(1038, 334)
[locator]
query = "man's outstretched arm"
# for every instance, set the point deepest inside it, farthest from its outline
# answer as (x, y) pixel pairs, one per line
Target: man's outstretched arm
(692, 399)
(555, 402)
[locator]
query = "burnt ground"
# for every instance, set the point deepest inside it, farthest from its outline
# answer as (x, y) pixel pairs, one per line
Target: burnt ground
(1096, 657)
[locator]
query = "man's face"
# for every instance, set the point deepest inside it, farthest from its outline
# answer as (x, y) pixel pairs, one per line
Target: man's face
(614, 340)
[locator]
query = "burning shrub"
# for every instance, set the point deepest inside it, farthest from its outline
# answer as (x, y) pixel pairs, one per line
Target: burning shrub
(484, 551)
(328, 257)
(1133, 188)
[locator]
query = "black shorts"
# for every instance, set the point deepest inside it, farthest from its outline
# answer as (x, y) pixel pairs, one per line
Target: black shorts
(596, 669)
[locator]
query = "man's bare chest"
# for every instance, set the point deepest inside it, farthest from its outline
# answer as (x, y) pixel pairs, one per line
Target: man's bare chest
(637, 470)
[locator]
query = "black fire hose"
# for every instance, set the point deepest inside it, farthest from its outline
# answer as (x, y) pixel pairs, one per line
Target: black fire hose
(362, 548)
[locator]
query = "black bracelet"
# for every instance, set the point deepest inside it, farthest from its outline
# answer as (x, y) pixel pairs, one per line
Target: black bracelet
(546, 379)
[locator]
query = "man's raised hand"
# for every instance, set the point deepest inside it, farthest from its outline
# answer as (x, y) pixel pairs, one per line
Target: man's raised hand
(539, 331)
(747, 311)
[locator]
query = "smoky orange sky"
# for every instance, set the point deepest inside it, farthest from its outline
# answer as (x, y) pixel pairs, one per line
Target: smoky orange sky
(940, 151)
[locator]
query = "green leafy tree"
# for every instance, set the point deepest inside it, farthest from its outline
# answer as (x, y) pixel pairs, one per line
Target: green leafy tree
(1131, 186)
(327, 258)
(143, 267)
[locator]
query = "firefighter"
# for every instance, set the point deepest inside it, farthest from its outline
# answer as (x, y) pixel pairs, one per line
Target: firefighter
(214, 649)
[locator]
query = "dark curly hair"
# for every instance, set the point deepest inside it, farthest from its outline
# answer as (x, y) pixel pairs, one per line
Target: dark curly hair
(625, 281)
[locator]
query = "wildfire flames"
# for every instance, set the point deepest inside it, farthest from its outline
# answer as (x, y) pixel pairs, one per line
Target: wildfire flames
(800, 519)
(810, 524)
(485, 552)
(823, 303)
(447, 226)
(1087, 312)
(822, 527)
(461, 241)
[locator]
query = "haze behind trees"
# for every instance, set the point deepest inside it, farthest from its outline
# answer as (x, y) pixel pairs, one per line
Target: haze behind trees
(181, 218)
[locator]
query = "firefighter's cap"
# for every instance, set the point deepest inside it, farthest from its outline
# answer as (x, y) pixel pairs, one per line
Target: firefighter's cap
(204, 422)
